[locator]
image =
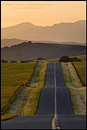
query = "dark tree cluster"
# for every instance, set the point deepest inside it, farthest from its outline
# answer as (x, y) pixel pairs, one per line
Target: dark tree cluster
(75, 59)
(64, 59)
(40, 58)
(4, 61)
(68, 59)
(13, 61)
(26, 61)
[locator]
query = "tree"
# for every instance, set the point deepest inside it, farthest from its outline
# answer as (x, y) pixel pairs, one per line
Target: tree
(75, 59)
(29, 42)
(24, 61)
(13, 61)
(4, 61)
(40, 58)
(64, 59)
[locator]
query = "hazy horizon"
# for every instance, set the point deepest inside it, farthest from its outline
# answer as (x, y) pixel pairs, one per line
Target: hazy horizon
(41, 13)
(43, 26)
(58, 21)
(63, 32)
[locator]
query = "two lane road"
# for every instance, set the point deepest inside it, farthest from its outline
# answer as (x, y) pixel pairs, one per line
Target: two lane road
(46, 108)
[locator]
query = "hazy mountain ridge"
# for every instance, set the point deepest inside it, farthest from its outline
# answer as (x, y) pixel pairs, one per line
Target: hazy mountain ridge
(14, 41)
(28, 51)
(62, 32)
(10, 42)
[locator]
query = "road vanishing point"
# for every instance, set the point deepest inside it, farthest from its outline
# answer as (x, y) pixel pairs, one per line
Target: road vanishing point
(54, 109)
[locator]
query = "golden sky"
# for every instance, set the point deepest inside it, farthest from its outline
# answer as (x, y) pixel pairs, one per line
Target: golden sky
(43, 13)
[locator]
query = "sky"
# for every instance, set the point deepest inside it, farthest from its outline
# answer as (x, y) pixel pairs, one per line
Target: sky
(42, 13)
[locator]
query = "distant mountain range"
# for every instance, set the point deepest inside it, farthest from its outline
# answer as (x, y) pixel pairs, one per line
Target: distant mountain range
(63, 32)
(29, 51)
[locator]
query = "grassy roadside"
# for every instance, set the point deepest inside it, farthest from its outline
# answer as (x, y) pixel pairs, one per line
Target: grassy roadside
(78, 97)
(77, 91)
(7, 117)
(70, 75)
(34, 90)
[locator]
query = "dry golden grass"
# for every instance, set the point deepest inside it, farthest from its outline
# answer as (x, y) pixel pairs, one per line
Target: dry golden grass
(82, 57)
(31, 103)
(13, 75)
(9, 116)
(78, 97)
(33, 91)
(70, 75)
(81, 69)
(77, 91)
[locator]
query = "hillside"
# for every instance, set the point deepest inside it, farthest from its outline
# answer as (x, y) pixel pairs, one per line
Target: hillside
(27, 51)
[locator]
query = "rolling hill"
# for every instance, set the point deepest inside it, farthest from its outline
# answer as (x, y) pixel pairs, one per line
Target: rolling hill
(29, 51)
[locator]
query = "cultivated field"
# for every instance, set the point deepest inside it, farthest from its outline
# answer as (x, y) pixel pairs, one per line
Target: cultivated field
(13, 75)
(76, 88)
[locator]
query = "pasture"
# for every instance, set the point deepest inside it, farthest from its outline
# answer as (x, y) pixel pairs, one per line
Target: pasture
(13, 75)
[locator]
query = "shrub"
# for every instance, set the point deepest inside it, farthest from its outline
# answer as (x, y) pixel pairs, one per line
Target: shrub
(29, 42)
(75, 59)
(4, 61)
(26, 61)
(64, 59)
(13, 61)
(40, 58)
(23, 61)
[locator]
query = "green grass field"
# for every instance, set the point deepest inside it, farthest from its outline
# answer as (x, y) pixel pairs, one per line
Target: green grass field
(13, 75)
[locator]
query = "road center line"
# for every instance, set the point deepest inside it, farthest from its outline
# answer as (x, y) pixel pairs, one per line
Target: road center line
(55, 119)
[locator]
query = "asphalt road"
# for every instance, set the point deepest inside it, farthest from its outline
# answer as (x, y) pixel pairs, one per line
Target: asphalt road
(46, 102)
(66, 118)
(45, 113)
(63, 97)
(46, 108)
